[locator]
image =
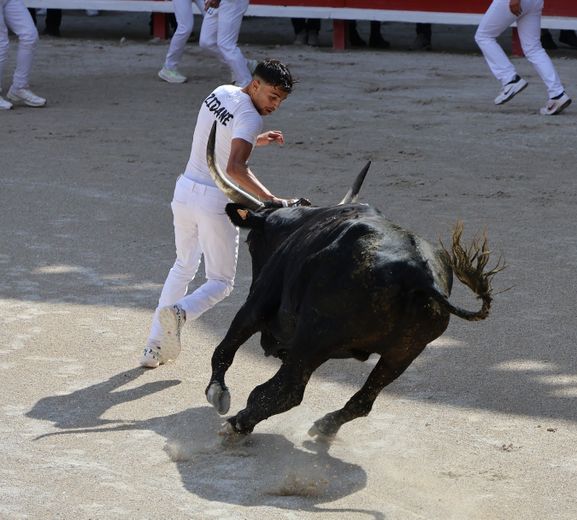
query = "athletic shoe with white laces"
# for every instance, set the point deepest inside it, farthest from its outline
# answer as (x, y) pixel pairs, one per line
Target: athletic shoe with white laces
(5, 104)
(556, 106)
(171, 318)
(25, 96)
(151, 356)
(171, 75)
(510, 90)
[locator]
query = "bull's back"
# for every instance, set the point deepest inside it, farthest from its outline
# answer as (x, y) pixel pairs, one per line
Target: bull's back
(370, 287)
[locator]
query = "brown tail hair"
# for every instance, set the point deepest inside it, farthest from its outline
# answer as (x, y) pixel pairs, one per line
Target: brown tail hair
(470, 267)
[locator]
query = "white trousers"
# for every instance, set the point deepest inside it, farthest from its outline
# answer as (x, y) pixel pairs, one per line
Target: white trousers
(201, 228)
(184, 27)
(14, 16)
(498, 18)
(219, 34)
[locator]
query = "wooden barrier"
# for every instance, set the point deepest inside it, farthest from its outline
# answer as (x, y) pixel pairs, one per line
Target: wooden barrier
(557, 14)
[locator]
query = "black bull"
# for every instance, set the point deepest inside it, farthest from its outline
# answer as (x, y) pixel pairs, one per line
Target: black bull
(338, 282)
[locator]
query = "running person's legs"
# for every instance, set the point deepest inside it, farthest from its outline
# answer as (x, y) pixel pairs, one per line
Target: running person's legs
(218, 240)
(229, 23)
(497, 18)
(529, 27)
(219, 35)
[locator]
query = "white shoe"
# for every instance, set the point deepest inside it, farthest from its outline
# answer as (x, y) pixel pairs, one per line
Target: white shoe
(92, 12)
(26, 96)
(556, 106)
(510, 90)
(5, 104)
(171, 318)
(151, 356)
(171, 75)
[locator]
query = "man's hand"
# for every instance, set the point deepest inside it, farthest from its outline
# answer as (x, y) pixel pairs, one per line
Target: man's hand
(211, 3)
(287, 203)
(515, 7)
(272, 136)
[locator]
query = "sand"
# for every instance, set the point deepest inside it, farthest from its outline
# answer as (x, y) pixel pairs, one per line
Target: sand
(482, 426)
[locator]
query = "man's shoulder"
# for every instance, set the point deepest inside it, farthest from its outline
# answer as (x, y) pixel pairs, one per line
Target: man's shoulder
(230, 91)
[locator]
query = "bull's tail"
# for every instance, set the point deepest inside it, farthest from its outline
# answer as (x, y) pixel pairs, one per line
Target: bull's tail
(470, 267)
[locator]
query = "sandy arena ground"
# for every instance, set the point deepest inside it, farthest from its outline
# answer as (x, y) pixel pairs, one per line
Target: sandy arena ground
(483, 426)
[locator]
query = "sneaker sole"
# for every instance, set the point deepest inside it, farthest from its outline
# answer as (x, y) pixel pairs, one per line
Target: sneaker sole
(149, 363)
(513, 94)
(170, 346)
(18, 101)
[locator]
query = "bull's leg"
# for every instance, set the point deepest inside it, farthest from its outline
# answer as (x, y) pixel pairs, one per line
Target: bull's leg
(279, 394)
(384, 373)
(241, 329)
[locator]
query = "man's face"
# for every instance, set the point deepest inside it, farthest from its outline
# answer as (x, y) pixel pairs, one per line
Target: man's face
(265, 97)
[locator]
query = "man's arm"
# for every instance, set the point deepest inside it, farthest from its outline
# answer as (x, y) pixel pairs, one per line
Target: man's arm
(239, 172)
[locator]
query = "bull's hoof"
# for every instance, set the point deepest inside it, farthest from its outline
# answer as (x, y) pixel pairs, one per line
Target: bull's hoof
(322, 432)
(218, 397)
(229, 436)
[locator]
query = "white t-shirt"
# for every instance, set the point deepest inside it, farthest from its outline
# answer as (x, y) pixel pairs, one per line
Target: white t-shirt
(237, 118)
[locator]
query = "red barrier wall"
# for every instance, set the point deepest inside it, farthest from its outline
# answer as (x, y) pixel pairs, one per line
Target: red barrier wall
(552, 7)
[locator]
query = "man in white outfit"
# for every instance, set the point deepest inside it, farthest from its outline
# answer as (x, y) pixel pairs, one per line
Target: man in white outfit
(219, 35)
(184, 26)
(201, 226)
(527, 13)
(14, 16)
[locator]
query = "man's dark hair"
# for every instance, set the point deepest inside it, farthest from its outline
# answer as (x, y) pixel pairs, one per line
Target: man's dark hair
(275, 73)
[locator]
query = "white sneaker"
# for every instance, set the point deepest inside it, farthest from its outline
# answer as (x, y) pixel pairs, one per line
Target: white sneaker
(151, 356)
(4, 104)
(171, 75)
(171, 318)
(556, 106)
(510, 90)
(26, 96)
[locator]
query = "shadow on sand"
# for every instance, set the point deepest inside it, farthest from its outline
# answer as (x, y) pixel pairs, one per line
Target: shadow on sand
(265, 470)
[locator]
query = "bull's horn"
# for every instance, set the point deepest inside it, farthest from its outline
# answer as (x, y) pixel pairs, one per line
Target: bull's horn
(231, 190)
(353, 192)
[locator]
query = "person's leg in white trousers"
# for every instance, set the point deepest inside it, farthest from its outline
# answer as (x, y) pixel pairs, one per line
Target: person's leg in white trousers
(14, 16)
(498, 18)
(200, 228)
(184, 26)
(219, 34)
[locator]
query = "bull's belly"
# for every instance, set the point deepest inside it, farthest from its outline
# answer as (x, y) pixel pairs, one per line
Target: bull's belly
(355, 336)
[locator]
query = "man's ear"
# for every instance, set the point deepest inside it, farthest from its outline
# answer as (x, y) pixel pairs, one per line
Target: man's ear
(243, 217)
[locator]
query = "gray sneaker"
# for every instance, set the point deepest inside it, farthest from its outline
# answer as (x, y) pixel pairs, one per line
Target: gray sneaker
(171, 318)
(25, 96)
(510, 90)
(171, 75)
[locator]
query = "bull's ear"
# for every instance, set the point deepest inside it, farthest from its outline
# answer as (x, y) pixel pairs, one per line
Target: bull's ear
(243, 217)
